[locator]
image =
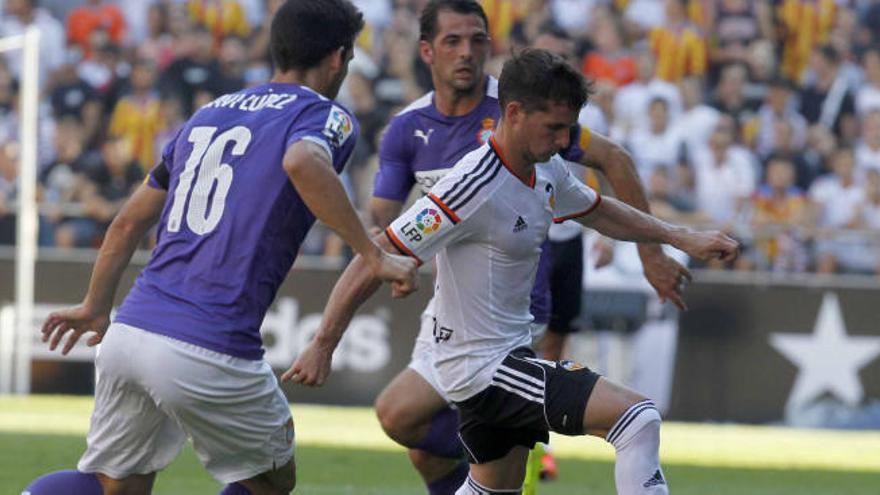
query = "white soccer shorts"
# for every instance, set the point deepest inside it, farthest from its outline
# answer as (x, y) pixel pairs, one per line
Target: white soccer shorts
(422, 360)
(154, 391)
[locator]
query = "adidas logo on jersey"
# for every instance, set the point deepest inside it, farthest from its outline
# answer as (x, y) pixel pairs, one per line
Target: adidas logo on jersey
(655, 480)
(520, 224)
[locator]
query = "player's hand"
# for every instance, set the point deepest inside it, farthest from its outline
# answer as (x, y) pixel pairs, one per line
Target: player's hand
(311, 368)
(400, 271)
(603, 252)
(708, 245)
(667, 276)
(76, 321)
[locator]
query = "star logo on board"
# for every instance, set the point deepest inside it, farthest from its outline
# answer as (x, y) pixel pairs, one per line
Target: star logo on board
(828, 359)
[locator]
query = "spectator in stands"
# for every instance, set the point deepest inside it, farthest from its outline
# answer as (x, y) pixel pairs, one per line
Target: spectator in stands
(632, 101)
(221, 18)
(806, 167)
(827, 101)
(730, 96)
(803, 25)
(71, 96)
(780, 209)
(195, 72)
(574, 16)
(609, 60)
(136, 117)
(671, 194)
(778, 106)
(68, 186)
(868, 150)
(20, 14)
(736, 24)
(725, 176)
(837, 198)
(95, 15)
(233, 62)
(657, 146)
(116, 178)
(698, 120)
(868, 216)
(868, 95)
(158, 42)
(678, 44)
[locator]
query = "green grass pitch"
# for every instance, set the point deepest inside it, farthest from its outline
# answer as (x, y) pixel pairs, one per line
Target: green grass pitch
(342, 451)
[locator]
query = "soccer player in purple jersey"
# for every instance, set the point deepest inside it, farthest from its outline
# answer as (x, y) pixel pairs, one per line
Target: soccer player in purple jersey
(419, 147)
(234, 195)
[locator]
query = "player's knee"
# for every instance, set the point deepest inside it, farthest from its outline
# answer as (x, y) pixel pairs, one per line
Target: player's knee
(394, 419)
(641, 422)
(132, 485)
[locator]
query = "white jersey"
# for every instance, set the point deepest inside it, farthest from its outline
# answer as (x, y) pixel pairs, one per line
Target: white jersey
(486, 226)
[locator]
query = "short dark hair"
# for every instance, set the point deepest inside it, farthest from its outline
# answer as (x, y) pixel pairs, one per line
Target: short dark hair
(305, 31)
(428, 19)
(534, 77)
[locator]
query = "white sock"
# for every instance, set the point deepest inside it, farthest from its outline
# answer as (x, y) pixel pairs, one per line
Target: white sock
(471, 487)
(636, 438)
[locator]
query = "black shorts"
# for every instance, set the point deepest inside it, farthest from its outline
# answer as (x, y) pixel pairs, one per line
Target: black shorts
(566, 284)
(527, 399)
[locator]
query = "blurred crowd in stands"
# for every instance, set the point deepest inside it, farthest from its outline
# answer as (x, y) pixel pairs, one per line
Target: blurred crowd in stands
(761, 117)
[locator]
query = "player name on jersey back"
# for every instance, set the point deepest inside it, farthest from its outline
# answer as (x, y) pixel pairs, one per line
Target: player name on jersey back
(253, 102)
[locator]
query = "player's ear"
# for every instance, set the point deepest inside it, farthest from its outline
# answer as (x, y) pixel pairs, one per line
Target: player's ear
(426, 52)
(337, 59)
(513, 112)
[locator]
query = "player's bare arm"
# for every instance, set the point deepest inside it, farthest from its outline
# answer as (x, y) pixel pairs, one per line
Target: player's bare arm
(353, 288)
(93, 315)
(312, 174)
(662, 272)
(621, 221)
(383, 211)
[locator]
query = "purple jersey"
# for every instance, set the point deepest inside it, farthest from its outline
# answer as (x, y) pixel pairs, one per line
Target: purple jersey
(233, 222)
(421, 145)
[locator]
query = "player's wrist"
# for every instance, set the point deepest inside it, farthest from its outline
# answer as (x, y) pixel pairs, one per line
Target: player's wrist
(678, 237)
(95, 307)
(374, 255)
(649, 251)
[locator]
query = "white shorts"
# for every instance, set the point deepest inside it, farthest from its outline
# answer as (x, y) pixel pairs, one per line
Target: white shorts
(422, 360)
(154, 391)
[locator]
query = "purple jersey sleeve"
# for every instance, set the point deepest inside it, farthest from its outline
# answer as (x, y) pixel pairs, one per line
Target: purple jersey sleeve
(329, 126)
(579, 141)
(160, 176)
(540, 300)
(395, 177)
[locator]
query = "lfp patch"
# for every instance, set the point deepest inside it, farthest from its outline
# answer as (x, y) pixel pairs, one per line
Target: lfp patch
(428, 220)
(338, 126)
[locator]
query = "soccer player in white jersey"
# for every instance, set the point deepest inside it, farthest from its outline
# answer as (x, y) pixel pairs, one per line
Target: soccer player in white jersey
(421, 144)
(485, 221)
(234, 195)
